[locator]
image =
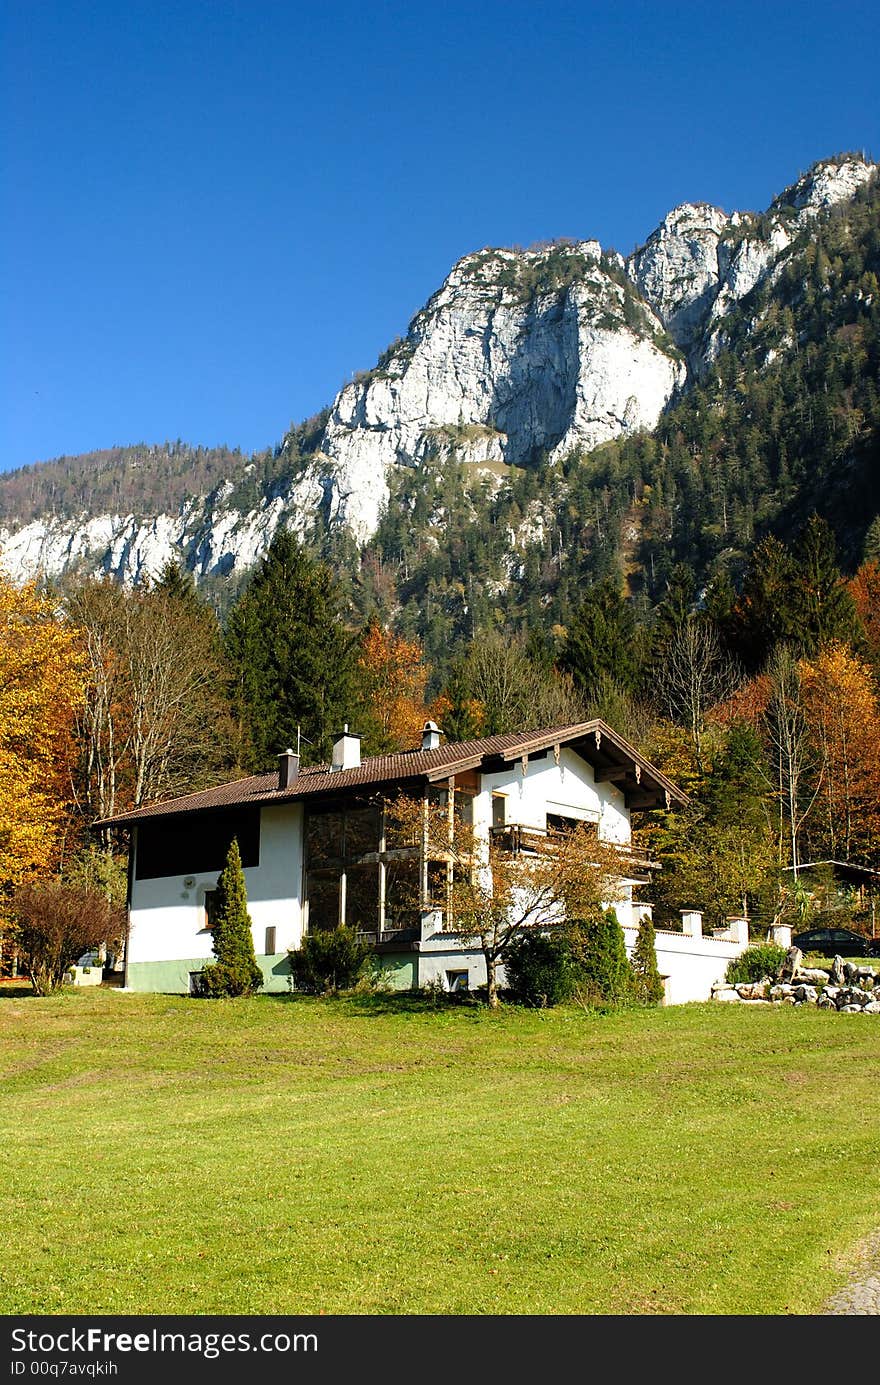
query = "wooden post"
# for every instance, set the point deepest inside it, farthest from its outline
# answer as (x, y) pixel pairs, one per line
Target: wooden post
(382, 849)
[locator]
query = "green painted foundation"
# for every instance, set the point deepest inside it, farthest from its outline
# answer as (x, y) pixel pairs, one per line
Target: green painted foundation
(172, 978)
(398, 970)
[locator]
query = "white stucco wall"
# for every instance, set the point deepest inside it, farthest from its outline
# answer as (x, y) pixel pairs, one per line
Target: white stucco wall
(547, 787)
(167, 918)
(689, 965)
(569, 788)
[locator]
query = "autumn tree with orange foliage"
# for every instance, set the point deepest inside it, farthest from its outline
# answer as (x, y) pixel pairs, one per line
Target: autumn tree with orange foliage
(393, 677)
(864, 588)
(843, 716)
(42, 674)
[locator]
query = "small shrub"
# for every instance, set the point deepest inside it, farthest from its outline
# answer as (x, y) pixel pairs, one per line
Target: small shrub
(541, 969)
(647, 983)
(328, 960)
(758, 961)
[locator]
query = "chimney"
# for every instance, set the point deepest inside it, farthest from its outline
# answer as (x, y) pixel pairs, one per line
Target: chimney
(431, 736)
(288, 768)
(346, 750)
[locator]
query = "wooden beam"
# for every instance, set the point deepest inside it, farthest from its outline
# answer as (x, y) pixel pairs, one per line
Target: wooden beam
(612, 773)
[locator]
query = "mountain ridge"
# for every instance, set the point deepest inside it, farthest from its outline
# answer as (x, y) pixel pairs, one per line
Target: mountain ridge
(519, 359)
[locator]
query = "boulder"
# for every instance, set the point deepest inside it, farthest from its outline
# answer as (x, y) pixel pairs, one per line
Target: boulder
(807, 995)
(853, 995)
(726, 993)
(752, 990)
(872, 1008)
(838, 971)
(813, 976)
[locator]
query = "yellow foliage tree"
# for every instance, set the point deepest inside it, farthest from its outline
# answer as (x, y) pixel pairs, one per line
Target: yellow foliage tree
(41, 689)
(394, 676)
(843, 716)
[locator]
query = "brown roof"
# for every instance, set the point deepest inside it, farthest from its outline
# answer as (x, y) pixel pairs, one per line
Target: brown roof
(611, 756)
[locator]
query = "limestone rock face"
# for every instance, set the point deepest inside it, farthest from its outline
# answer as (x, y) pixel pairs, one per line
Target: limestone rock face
(699, 264)
(206, 534)
(520, 353)
(680, 267)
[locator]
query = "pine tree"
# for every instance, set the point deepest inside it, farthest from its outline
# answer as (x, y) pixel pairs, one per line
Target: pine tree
(827, 609)
(648, 985)
(769, 611)
(235, 972)
(602, 641)
(871, 549)
(293, 662)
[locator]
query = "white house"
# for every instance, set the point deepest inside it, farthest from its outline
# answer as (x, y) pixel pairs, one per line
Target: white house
(316, 852)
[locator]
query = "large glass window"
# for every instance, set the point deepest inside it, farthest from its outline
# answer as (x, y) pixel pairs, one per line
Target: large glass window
(193, 843)
(402, 894)
(361, 832)
(323, 838)
(323, 895)
(362, 898)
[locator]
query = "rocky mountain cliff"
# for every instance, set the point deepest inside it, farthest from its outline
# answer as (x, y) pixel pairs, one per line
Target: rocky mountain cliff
(520, 359)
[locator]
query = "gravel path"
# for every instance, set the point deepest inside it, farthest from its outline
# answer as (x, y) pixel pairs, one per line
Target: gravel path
(861, 1296)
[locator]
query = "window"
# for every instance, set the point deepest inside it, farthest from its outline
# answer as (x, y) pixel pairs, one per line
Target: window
(212, 905)
(402, 895)
(270, 942)
(558, 824)
(457, 981)
(197, 842)
(323, 898)
(362, 898)
(499, 810)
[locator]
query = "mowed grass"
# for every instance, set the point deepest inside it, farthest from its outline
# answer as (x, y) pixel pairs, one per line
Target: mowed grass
(278, 1155)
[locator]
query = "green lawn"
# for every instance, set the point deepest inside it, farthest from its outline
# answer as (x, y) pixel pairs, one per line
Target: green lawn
(166, 1155)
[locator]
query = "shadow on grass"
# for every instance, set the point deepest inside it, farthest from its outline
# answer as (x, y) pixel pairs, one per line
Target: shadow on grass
(374, 1004)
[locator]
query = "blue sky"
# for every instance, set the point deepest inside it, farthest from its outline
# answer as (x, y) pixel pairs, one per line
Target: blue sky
(215, 213)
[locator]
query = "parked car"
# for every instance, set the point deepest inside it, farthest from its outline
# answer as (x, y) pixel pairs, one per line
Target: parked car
(837, 942)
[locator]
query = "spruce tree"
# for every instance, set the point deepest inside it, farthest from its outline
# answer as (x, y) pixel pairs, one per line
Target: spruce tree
(647, 983)
(871, 549)
(827, 610)
(602, 641)
(293, 663)
(235, 972)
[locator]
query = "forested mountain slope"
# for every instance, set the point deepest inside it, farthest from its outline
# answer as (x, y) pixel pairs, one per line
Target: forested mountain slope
(552, 417)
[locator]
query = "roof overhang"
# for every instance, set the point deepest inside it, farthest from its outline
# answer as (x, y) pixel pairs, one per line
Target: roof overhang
(612, 758)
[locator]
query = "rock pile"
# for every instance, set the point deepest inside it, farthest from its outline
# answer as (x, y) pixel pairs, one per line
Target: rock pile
(844, 986)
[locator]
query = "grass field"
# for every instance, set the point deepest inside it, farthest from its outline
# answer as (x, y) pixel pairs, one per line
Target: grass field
(164, 1155)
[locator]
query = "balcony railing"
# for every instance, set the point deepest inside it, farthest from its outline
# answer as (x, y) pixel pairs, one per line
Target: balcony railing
(516, 838)
(389, 935)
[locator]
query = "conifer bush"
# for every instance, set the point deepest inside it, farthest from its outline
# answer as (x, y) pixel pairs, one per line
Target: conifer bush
(541, 969)
(647, 982)
(605, 975)
(235, 972)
